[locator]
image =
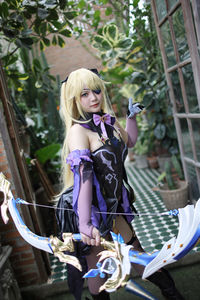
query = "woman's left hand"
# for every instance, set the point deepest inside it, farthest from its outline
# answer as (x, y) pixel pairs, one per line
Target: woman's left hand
(94, 240)
(134, 108)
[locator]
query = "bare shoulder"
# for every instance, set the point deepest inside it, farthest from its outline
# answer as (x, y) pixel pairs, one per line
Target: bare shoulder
(76, 129)
(78, 138)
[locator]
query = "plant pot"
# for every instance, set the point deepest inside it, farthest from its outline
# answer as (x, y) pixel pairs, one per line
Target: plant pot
(141, 161)
(177, 198)
(130, 155)
(162, 160)
(152, 162)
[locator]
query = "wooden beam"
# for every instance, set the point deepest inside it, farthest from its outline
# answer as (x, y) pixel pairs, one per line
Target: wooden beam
(19, 169)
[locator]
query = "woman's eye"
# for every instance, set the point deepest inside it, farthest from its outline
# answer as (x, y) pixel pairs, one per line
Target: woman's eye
(97, 91)
(84, 95)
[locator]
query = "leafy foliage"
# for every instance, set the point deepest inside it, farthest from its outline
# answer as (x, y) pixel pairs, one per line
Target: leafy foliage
(111, 44)
(129, 52)
(168, 174)
(135, 65)
(24, 23)
(27, 28)
(48, 152)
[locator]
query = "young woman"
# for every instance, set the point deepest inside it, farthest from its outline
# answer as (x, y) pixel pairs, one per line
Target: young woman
(94, 177)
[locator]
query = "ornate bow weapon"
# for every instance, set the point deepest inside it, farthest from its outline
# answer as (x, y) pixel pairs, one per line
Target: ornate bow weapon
(115, 261)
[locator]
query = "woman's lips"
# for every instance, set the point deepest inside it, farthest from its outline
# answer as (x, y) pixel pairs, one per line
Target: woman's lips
(95, 105)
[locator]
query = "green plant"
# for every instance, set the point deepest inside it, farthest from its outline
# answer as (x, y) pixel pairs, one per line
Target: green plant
(36, 110)
(141, 148)
(172, 173)
(137, 72)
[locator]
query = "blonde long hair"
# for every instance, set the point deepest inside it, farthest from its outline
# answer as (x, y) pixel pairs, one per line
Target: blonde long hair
(71, 111)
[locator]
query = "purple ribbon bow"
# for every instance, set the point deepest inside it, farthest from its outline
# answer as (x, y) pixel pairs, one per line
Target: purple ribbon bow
(101, 120)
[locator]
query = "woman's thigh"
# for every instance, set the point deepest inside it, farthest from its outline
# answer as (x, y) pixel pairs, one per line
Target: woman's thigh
(94, 283)
(124, 229)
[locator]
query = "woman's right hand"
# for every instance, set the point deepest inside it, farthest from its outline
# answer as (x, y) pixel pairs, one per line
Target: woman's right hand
(95, 240)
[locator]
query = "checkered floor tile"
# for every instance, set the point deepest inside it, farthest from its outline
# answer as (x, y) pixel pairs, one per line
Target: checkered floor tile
(58, 270)
(153, 230)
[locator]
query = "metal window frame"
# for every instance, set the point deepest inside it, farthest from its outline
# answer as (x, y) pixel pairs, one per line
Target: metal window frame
(194, 59)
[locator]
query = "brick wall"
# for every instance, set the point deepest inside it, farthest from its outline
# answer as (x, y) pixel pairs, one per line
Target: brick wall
(73, 56)
(23, 257)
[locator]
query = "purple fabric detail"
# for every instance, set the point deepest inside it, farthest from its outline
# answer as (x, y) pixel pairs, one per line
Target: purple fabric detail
(101, 201)
(85, 125)
(75, 157)
(85, 204)
(101, 120)
(95, 217)
(76, 191)
(132, 131)
(125, 204)
(87, 230)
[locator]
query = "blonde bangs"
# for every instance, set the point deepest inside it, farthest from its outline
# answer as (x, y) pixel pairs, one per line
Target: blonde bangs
(82, 78)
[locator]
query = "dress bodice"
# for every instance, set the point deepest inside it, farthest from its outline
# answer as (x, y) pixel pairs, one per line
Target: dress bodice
(108, 164)
(111, 192)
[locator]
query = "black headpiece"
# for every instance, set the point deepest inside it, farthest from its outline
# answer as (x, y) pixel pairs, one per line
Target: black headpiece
(95, 71)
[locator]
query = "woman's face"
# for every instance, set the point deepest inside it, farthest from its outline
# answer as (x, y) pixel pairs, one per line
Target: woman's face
(91, 100)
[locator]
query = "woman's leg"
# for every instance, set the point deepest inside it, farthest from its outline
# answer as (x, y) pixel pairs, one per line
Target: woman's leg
(162, 277)
(95, 283)
(130, 238)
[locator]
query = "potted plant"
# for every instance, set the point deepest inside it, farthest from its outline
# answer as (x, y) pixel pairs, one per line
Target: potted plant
(140, 151)
(172, 186)
(152, 157)
(152, 160)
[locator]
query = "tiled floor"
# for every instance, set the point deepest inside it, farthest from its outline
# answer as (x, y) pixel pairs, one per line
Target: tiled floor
(152, 231)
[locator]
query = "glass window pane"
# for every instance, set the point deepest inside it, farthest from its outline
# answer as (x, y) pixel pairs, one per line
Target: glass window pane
(179, 30)
(196, 133)
(161, 9)
(177, 92)
(196, 19)
(193, 181)
(171, 3)
(169, 49)
(187, 148)
(190, 89)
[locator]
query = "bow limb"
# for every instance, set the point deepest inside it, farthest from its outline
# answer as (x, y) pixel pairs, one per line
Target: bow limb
(5, 188)
(4, 212)
(49, 244)
(176, 248)
(39, 242)
(9, 203)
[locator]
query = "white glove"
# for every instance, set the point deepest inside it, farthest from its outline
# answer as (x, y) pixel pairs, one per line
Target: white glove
(133, 109)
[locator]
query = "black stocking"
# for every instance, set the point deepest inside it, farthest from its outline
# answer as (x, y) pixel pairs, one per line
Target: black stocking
(161, 278)
(75, 280)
